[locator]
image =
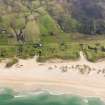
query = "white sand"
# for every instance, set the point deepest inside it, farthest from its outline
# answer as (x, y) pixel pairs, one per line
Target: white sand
(28, 75)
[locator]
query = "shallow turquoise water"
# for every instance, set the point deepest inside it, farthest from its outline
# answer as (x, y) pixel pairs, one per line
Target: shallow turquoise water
(8, 97)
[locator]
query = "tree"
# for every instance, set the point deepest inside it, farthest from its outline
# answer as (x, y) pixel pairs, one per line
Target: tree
(18, 26)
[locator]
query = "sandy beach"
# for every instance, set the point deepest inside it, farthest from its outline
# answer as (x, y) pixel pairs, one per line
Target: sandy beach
(79, 77)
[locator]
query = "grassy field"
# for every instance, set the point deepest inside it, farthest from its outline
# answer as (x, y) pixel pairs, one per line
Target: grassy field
(63, 46)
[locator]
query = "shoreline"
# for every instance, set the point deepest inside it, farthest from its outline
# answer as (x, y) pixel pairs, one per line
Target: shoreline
(64, 77)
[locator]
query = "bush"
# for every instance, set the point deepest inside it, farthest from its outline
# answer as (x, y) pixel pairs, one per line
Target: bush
(11, 62)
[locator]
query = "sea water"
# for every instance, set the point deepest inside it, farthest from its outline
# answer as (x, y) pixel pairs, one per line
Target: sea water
(8, 97)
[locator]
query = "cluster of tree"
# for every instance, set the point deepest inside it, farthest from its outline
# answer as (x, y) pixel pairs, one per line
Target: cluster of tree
(15, 20)
(91, 15)
(85, 16)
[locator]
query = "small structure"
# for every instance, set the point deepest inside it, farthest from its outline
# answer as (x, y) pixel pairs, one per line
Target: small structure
(37, 45)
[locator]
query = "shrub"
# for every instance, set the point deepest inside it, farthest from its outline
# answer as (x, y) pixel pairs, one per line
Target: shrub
(11, 62)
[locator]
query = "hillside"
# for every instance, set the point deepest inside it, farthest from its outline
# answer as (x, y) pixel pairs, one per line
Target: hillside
(82, 16)
(60, 26)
